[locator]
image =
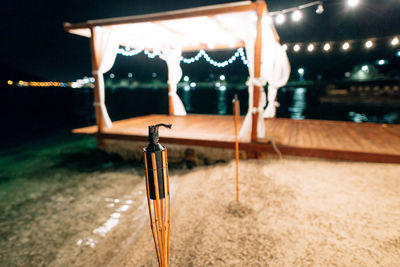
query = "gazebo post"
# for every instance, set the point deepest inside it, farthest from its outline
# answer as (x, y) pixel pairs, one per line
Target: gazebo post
(95, 67)
(170, 102)
(260, 8)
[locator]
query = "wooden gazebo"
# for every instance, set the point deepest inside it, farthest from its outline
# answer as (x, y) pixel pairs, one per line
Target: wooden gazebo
(225, 26)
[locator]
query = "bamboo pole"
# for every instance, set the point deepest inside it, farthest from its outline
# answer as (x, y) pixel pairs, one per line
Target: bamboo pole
(166, 213)
(261, 8)
(157, 208)
(152, 222)
(169, 203)
(95, 67)
(236, 114)
(158, 200)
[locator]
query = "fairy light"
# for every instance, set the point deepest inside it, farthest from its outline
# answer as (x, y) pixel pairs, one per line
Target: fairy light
(128, 52)
(327, 47)
(9, 82)
(239, 53)
(296, 48)
(310, 47)
(285, 47)
(346, 46)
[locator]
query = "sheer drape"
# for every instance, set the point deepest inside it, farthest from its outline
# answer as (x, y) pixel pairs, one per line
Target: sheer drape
(106, 46)
(173, 59)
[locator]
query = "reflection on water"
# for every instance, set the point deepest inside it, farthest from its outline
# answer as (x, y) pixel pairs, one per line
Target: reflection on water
(299, 104)
(358, 117)
(222, 107)
(185, 96)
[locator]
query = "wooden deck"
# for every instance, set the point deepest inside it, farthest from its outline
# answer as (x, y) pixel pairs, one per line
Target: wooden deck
(315, 138)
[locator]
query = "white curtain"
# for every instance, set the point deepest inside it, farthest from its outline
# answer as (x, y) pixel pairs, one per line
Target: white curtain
(275, 67)
(245, 131)
(172, 57)
(106, 46)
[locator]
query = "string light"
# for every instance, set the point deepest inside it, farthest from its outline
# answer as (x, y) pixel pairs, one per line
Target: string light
(240, 51)
(297, 14)
(346, 45)
(128, 52)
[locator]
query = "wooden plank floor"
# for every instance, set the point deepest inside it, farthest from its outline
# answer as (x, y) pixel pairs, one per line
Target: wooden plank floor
(330, 139)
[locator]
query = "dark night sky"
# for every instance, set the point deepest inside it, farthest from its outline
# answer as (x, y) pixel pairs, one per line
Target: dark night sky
(34, 42)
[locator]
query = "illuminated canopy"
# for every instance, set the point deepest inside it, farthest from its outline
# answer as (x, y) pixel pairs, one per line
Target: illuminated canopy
(211, 27)
(226, 26)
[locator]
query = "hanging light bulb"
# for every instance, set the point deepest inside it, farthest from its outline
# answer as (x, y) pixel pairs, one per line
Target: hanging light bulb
(320, 9)
(395, 41)
(281, 18)
(297, 15)
(310, 47)
(368, 44)
(296, 48)
(352, 3)
(346, 46)
(327, 47)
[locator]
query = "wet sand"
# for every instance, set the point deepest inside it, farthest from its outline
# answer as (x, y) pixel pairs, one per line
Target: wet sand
(72, 205)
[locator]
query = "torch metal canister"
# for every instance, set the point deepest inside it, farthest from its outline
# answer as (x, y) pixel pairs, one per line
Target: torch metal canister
(157, 188)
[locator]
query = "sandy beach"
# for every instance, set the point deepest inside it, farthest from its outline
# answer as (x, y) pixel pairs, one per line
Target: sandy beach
(72, 205)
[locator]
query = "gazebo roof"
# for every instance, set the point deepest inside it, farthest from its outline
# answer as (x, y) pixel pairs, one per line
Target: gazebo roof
(221, 26)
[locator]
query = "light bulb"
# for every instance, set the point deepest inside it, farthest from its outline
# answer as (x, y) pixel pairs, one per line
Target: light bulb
(320, 9)
(297, 15)
(369, 44)
(352, 3)
(281, 18)
(395, 41)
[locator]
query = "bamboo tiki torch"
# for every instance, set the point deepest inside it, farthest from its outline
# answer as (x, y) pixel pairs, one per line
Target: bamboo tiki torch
(157, 188)
(236, 114)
